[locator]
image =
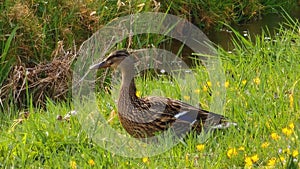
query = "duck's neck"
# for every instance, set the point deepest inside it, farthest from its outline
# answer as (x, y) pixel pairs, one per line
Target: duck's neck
(128, 88)
(127, 97)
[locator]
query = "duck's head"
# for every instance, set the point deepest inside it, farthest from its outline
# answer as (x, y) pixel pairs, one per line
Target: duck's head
(113, 60)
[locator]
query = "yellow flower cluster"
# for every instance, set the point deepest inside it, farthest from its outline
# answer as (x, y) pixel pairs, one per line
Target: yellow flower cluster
(226, 84)
(91, 162)
(208, 83)
(295, 153)
(272, 162)
(231, 152)
(73, 165)
(275, 136)
(288, 131)
(244, 82)
(200, 147)
(145, 160)
(250, 160)
(256, 80)
(265, 145)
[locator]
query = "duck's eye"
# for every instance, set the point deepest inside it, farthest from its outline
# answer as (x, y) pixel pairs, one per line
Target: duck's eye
(109, 62)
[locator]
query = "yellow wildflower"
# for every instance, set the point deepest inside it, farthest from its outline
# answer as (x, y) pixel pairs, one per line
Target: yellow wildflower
(268, 124)
(205, 89)
(291, 97)
(197, 91)
(187, 157)
(231, 152)
(200, 147)
(186, 97)
(287, 131)
(272, 162)
(248, 162)
(254, 158)
(241, 148)
(287, 151)
(73, 164)
(291, 126)
(244, 82)
(256, 80)
(265, 144)
(275, 136)
(226, 84)
(282, 159)
(208, 83)
(295, 153)
(138, 93)
(91, 162)
(145, 160)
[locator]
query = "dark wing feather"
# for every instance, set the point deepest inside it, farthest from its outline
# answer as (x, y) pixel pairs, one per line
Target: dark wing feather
(179, 110)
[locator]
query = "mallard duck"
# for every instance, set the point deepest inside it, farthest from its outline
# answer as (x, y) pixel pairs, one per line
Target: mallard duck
(145, 117)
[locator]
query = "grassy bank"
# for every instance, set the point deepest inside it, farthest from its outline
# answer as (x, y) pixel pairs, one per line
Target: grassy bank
(262, 88)
(33, 32)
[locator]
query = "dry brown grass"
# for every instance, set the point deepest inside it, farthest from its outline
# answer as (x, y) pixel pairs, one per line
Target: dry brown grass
(45, 80)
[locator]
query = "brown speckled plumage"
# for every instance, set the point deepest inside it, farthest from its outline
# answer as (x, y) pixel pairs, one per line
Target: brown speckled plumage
(145, 117)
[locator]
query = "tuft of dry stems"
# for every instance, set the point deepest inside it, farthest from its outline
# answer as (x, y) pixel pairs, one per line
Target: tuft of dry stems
(44, 80)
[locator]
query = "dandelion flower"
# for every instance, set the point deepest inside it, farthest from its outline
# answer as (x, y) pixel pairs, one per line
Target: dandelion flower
(226, 84)
(138, 93)
(282, 159)
(186, 97)
(291, 126)
(231, 152)
(205, 89)
(73, 164)
(256, 80)
(91, 162)
(255, 158)
(200, 147)
(287, 131)
(265, 144)
(145, 160)
(295, 153)
(244, 82)
(248, 162)
(275, 136)
(208, 83)
(272, 162)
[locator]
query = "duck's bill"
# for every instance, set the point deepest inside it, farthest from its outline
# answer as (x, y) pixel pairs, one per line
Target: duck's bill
(99, 65)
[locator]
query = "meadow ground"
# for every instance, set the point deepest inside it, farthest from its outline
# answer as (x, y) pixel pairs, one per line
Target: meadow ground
(262, 96)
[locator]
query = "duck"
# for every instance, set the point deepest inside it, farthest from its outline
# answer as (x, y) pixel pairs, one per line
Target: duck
(148, 116)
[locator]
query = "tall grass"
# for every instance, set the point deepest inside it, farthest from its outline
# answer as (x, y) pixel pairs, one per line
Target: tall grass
(262, 88)
(42, 24)
(6, 62)
(45, 26)
(207, 14)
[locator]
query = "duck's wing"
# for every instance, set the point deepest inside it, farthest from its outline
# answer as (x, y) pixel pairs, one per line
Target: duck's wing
(178, 110)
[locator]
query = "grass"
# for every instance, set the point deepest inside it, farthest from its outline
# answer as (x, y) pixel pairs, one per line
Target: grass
(43, 24)
(262, 96)
(32, 32)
